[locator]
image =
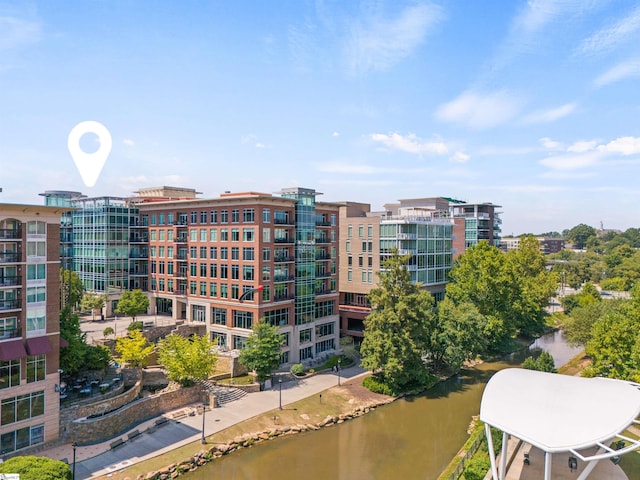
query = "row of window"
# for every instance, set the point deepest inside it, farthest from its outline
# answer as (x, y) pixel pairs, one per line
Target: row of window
(21, 438)
(366, 276)
(360, 231)
(10, 371)
(248, 215)
(21, 407)
(366, 246)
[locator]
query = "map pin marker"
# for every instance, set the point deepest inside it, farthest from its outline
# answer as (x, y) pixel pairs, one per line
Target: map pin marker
(89, 164)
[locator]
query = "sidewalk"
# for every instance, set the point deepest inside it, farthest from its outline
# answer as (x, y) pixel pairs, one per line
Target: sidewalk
(99, 459)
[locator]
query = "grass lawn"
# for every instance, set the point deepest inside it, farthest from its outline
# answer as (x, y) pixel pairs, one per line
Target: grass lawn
(242, 380)
(630, 463)
(335, 401)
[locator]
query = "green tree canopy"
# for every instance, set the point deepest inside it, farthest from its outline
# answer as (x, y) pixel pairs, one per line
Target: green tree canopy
(79, 355)
(261, 352)
(579, 235)
(399, 328)
(187, 359)
(133, 303)
(134, 348)
(543, 363)
(36, 468)
(71, 289)
(93, 301)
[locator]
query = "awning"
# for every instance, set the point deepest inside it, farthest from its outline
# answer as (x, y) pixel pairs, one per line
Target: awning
(38, 345)
(63, 342)
(12, 350)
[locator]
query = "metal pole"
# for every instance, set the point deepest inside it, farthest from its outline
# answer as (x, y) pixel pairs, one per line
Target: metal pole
(280, 385)
(338, 372)
(73, 471)
(204, 409)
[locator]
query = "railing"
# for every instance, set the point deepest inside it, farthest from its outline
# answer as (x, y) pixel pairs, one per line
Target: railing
(282, 221)
(10, 333)
(10, 281)
(282, 298)
(138, 239)
(323, 223)
(323, 256)
(10, 304)
(283, 240)
(181, 256)
(283, 259)
(324, 291)
(10, 233)
(139, 255)
(323, 240)
(283, 278)
(10, 257)
(180, 239)
(323, 274)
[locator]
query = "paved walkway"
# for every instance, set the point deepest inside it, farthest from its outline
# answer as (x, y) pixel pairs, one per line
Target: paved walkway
(96, 460)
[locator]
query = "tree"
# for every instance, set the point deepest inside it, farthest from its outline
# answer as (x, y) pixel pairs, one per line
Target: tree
(108, 331)
(187, 359)
(544, 363)
(36, 468)
(134, 348)
(79, 355)
(93, 301)
(399, 327)
(133, 303)
(261, 352)
(71, 289)
(579, 235)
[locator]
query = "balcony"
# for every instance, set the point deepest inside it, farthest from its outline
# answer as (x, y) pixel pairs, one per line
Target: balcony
(181, 239)
(6, 333)
(134, 255)
(323, 240)
(324, 291)
(406, 236)
(283, 221)
(10, 281)
(10, 257)
(323, 274)
(180, 274)
(10, 234)
(282, 298)
(181, 256)
(323, 223)
(138, 239)
(283, 278)
(323, 256)
(10, 305)
(283, 240)
(283, 259)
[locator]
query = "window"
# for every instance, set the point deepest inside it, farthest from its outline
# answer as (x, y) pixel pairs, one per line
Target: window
(193, 234)
(213, 270)
(170, 235)
(224, 271)
(22, 438)
(170, 268)
(235, 253)
(347, 246)
(36, 249)
(364, 246)
(203, 269)
(284, 357)
(239, 342)
(193, 269)
(247, 234)
(194, 217)
(161, 235)
(193, 252)
(224, 216)
(277, 318)
(235, 215)
(224, 253)
(235, 272)
(153, 252)
(36, 294)
(325, 329)
(350, 231)
(218, 316)
(22, 407)
(247, 272)
(154, 219)
(198, 312)
(247, 254)
(360, 261)
(305, 335)
(266, 234)
(36, 228)
(325, 345)
(224, 290)
(235, 234)
(369, 231)
(161, 268)
(219, 339)
(349, 276)
(161, 252)
(350, 260)
(213, 289)
(266, 215)
(360, 231)
(324, 309)
(266, 254)
(248, 215)
(213, 253)
(213, 216)
(224, 235)
(213, 234)
(37, 271)
(242, 319)
(170, 221)
(203, 234)
(306, 353)
(266, 273)
(203, 217)
(161, 219)
(203, 252)
(8, 328)
(193, 287)
(9, 373)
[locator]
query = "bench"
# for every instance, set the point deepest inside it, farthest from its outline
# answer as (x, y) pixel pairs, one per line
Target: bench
(161, 421)
(119, 442)
(133, 434)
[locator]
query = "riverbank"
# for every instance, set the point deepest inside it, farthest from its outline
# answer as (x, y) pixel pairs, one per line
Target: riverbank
(314, 407)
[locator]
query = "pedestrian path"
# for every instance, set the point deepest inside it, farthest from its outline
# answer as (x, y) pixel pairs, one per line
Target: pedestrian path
(181, 428)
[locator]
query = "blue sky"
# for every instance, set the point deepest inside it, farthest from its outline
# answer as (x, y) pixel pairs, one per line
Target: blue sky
(530, 105)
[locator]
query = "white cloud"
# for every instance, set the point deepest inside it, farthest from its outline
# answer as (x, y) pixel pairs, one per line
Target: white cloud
(459, 157)
(609, 38)
(623, 145)
(582, 146)
(571, 162)
(335, 134)
(410, 143)
(630, 68)
(128, 142)
(551, 115)
(480, 110)
(551, 144)
(15, 32)
(377, 43)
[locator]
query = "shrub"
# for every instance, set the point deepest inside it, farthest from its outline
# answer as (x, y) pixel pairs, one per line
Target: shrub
(376, 385)
(137, 325)
(108, 331)
(311, 370)
(297, 369)
(36, 468)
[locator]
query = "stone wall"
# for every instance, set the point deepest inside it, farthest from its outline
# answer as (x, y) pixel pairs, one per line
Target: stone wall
(98, 429)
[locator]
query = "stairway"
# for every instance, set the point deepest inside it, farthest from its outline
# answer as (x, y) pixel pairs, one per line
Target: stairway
(224, 394)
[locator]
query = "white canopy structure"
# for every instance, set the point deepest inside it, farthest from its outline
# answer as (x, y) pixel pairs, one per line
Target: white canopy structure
(560, 413)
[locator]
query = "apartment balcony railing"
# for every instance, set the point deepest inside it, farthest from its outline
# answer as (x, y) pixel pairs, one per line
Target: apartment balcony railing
(10, 281)
(181, 239)
(138, 239)
(323, 223)
(283, 278)
(282, 298)
(283, 240)
(181, 291)
(10, 257)
(407, 236)
(283, 259)
(10, 234)
(139, 273)
(325, 291)
(323, 256)
(181, 256)
(323, 240)
(135, 255)
(10, 304)
(282, 221)
(10, 333)
(323, 274)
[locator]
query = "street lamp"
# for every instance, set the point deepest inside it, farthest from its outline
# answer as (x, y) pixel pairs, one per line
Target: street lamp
(73, 471)
(204, 410)
(280, 385)
(338, 371)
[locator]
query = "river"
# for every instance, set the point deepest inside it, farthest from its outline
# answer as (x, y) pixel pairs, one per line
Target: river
(412, 438)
